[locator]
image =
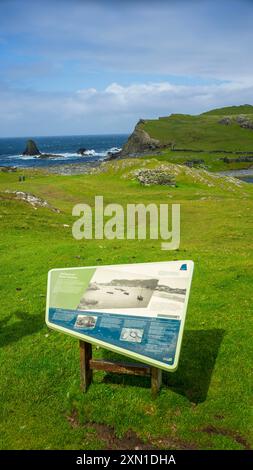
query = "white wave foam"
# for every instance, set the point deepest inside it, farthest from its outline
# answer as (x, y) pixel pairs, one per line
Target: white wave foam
(22, 157)
(65, 155)
(89, 153)
(28, 157)
(93, 153)
(103, 153)
(114, 150)
(68, 155)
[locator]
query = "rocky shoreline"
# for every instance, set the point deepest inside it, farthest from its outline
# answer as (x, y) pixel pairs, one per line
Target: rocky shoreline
(139, 144)
(72, 168)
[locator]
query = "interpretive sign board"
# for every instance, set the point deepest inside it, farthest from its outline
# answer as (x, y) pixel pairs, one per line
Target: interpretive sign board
(137, 310)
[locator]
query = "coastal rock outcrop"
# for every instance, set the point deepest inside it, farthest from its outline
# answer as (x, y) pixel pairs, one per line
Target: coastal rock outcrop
(226, 121)
(139, 142)
(8, 169)
(81, 151)
(35, 201)
(113, 155)
(31, 148)
(244, 122)
(33, 151)
(158, 176)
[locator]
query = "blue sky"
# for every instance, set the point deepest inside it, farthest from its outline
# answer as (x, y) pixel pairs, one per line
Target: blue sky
(80, 67)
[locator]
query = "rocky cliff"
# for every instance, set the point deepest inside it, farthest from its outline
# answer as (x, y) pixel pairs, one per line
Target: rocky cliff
(139, 142)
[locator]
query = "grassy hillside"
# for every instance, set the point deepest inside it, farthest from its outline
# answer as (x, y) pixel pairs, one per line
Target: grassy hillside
(231, 110)
(205, 137)
(206, 403)
(200, 133)
(212, 162)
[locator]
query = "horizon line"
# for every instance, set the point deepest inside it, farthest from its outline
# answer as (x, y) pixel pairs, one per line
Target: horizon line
(62, 135)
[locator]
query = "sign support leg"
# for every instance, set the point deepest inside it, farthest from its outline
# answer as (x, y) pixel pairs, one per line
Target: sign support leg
(85, 358)
(156, 381)
(87, 365)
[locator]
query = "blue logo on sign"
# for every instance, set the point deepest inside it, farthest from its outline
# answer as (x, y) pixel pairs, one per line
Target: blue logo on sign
(183, 267)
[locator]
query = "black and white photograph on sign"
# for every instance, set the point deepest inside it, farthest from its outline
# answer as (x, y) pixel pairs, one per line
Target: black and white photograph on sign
(131, 334)
(87, 322)
(118, 288)
(171, 289)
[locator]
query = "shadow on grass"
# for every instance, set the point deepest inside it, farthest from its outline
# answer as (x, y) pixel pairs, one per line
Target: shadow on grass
(25, 325)
(198, 356)
(192, 378)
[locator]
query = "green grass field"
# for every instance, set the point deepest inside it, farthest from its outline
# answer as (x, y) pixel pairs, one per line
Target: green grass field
(206, 404)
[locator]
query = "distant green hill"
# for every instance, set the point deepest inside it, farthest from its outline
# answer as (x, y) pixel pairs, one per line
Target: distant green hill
(231, 110)
(220, 139)
(220, 129)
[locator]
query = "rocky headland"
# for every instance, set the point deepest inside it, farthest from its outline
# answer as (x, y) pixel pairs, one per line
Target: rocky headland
(139, 143)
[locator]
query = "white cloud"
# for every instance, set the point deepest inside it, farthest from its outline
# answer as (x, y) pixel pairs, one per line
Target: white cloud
(116, 108)
(187, 48)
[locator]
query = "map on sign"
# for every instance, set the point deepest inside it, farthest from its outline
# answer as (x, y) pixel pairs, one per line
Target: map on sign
(133, 309)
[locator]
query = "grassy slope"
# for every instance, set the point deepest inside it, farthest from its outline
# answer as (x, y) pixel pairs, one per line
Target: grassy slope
(231, 110)
(212, 161)
(204, 132)
(206, 403)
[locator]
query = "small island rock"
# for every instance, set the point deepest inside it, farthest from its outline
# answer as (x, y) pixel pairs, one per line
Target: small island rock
(31, 148)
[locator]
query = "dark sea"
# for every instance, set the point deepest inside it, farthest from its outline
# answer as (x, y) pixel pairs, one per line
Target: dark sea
(66, 147)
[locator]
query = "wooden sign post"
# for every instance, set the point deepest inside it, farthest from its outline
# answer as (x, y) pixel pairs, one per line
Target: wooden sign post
(87, 365)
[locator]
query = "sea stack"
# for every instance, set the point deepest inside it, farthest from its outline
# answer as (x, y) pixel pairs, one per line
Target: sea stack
(31, 148)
